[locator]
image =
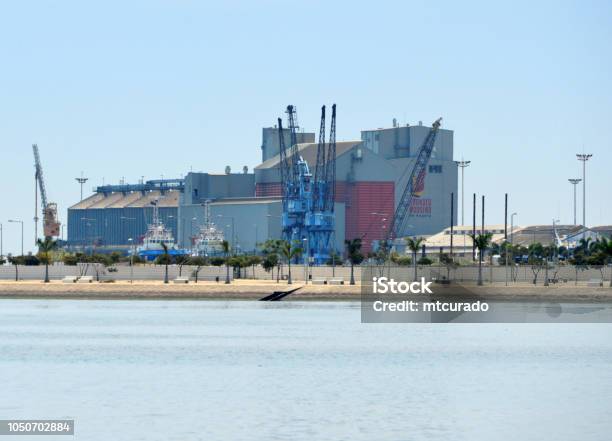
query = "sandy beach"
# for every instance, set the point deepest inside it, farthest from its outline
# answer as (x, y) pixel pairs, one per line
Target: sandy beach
(256, 289)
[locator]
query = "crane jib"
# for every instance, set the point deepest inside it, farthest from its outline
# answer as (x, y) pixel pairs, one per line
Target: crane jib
(415, 181)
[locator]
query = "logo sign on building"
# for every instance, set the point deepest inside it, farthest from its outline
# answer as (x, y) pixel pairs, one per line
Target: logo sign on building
(420, 207)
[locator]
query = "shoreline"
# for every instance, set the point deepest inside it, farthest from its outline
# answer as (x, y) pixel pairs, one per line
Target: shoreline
(257, 289)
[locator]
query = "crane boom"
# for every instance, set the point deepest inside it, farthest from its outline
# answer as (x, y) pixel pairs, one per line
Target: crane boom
(318, 194)
(415, 181)
(330, 165)
(39, 177)
(51, 226)
(295, 154)
(285, 172)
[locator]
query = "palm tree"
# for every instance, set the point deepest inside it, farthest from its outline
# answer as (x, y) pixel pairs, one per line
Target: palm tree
(605, 246)
(226, 249)
(585, 245)
(271, 251)
(414, 245)
(353, 251)
(44, 248)
(482, 242)
(289, 252)
(166, 260)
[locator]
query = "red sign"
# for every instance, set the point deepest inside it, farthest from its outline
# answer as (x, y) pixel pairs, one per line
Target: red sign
(420, 207)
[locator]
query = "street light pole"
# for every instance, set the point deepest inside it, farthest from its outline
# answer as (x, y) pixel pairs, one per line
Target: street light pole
(255, 247)
(584, 157)
(130, 241)
(574, 183)
(20, 222)
(192, 238)
(88, 224)
(305, 260)
(233, 232)
(462, 164)
(512, 241)
(81, 181)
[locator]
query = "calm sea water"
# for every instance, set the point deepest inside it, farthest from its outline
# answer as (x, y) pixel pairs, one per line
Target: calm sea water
(189, 370)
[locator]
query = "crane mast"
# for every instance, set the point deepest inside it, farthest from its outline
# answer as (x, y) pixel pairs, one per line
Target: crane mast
(295, 155)
(330, 165)
(320, 219)
(416, 180)
(318, 191)
(285, 171)
(39, 176)
(51, 225)
(295, 183)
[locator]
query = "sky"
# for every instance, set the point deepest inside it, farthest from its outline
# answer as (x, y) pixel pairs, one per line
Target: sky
(122, 89)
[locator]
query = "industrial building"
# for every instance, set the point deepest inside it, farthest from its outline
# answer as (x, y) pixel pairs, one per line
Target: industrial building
(114, 214)
(371, 175)
(244, 217)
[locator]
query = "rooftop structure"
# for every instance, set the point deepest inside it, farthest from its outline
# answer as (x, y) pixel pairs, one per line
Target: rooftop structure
(270, 141)
(462, 242)
(543, 234)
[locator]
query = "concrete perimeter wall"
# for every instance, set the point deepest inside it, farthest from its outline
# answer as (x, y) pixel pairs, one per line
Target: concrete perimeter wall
(496, 274)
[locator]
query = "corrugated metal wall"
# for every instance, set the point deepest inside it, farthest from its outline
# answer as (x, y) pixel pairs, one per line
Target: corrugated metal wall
(114, 226)
(263, 189)
(369, 210)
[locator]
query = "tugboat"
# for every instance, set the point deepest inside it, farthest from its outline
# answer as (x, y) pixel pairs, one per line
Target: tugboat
(156, 234)
(209, 241)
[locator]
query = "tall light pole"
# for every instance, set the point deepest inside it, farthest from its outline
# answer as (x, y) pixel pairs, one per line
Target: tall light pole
(123, 219)
(81, 181)
(305, 259)
(233, 232)
(512, 242)
(574, 183)
(462, 164)
(192, 238)
(255, 247)
(130, 240)
(20, 222)
(88, 224)
(584, 157)
(1, 243)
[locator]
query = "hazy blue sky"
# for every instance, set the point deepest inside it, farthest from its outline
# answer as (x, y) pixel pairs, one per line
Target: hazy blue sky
(131, 88)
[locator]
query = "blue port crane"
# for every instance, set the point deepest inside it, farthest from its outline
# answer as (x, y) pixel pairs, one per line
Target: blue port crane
(415, 182)
(308, 201)
(295, 183)
(320, 220)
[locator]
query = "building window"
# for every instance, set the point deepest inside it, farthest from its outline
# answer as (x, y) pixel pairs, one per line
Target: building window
(435, 169)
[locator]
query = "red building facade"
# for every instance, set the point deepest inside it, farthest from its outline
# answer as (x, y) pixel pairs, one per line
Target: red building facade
(369, 207)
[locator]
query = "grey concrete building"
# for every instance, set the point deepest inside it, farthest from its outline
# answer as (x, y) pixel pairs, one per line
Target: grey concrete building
(200, 187)
(270, 141)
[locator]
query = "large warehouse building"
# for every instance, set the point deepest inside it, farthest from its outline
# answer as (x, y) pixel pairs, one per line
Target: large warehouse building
(114, 214)
(371, 175)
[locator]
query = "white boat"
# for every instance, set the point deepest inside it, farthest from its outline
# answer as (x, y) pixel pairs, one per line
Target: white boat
(209, 241)
(156, 234)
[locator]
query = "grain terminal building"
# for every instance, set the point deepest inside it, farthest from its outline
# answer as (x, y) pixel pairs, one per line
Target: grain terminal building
(371, 175)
